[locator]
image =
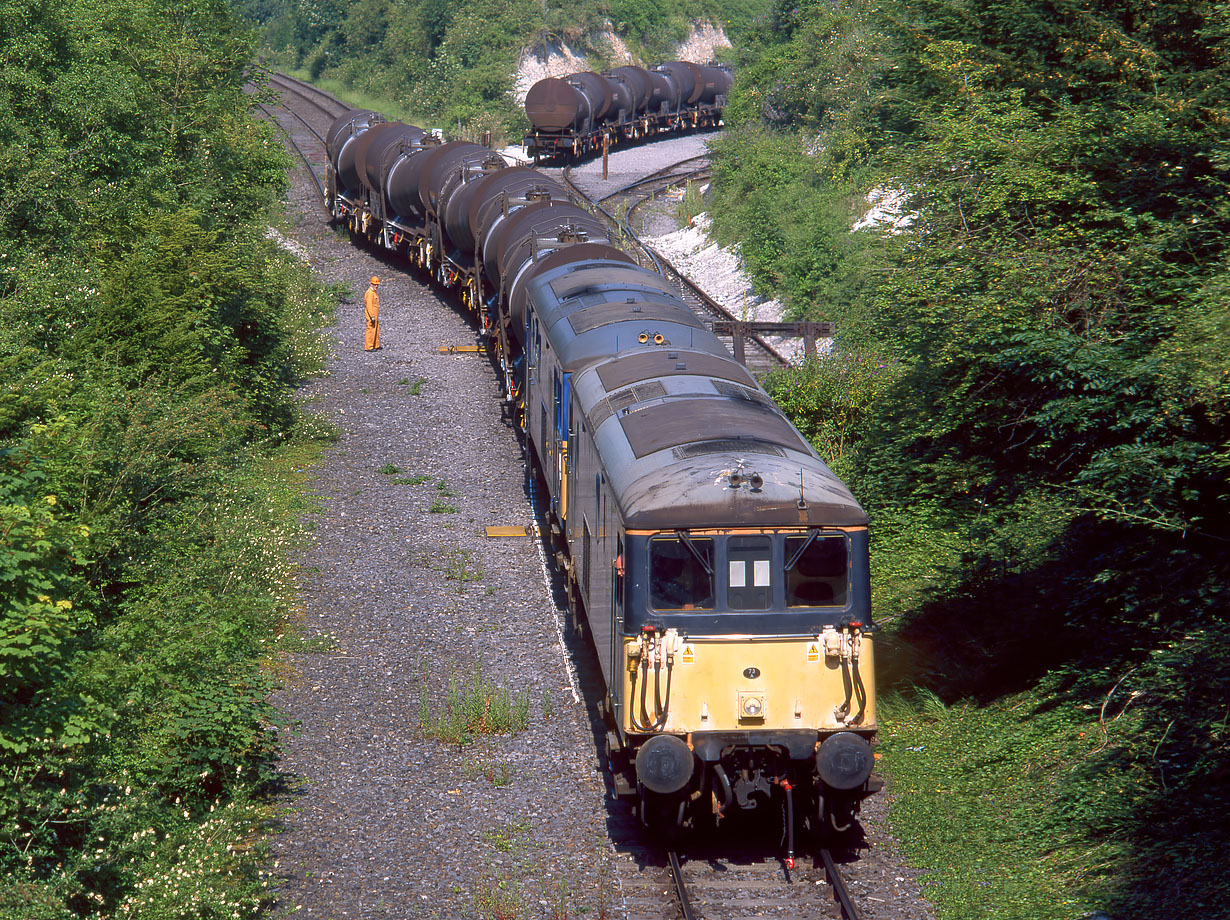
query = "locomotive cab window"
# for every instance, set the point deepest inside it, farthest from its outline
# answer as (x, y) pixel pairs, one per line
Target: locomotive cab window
(749, 564)
(816, 571)
(681, 573)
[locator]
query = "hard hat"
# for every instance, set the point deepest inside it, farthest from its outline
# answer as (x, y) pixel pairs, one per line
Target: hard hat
(375, 280)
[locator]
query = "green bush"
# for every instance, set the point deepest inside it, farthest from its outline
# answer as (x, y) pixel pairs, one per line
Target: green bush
(43, 613)
(830, 399)
(150, 339)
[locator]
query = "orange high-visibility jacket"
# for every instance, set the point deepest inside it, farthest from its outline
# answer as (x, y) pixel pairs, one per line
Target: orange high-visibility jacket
(371, 314)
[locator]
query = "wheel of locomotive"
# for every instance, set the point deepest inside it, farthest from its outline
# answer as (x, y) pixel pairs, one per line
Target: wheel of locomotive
(835, 816)
(808, 810)
(664, 815)
(576, 611)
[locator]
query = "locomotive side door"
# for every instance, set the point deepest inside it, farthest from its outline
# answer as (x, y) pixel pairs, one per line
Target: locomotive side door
(616, 621)
(563, 440)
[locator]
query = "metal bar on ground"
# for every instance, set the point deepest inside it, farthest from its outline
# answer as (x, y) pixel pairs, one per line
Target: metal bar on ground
(523, 531)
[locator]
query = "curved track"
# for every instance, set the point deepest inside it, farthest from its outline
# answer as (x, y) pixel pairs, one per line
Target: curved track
(309, 111)
(319, 100)
(761, 356)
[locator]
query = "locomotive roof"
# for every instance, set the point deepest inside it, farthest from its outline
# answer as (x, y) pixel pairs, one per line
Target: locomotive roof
(670, 443)
(591, 310)
(674, 420)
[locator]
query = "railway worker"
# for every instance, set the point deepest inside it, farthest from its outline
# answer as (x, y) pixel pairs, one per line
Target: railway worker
(371, 313)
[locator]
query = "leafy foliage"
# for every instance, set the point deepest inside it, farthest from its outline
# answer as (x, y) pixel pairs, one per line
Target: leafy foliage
(452, 65)
(42, 613)
(1046, 469)
(830, 400)
(149, 338)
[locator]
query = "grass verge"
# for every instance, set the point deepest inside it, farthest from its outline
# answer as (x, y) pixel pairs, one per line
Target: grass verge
(473, 706)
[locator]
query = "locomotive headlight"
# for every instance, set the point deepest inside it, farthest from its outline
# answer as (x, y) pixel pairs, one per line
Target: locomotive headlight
(751, 706)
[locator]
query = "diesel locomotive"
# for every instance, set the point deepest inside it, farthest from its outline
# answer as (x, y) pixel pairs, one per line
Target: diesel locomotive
(583, 112)
(720, 568)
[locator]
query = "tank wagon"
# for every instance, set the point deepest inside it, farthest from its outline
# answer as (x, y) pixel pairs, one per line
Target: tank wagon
(577, 114)
(718, 565)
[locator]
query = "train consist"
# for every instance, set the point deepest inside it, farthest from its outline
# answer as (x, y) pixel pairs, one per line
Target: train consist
(719, 566)
(583, 112)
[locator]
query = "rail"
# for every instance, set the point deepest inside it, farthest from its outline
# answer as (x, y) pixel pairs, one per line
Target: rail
(681, 888)
(700, 302)
(310, 94)
(840, 892)
(286, 135)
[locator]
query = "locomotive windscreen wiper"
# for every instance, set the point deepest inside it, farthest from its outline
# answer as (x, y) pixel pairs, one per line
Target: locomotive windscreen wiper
(811, 538)
(687, 541)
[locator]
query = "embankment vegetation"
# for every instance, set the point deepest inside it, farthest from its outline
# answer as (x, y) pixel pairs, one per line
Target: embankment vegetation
(1030, 393)
(150, 340)
(451, 65)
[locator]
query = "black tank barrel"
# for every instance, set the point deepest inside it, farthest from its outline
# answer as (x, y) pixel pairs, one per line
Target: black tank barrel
(401, 185)
(686, 76)
(637, 81)
(363, 146)
(556, 105)
(382, 142)
(498, 195)
(663, 93)
(623, 107)
(395, 154)
(714, 82)
(597, 91)
(341, 141)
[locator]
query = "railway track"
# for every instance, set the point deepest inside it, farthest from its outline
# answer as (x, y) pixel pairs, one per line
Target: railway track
(728, 873)
(325, 103)
(710, 889)
(309, 112)
(760, 355)
(702, 885)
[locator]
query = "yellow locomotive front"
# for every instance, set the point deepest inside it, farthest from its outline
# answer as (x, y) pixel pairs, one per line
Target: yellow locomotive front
(747, 671)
